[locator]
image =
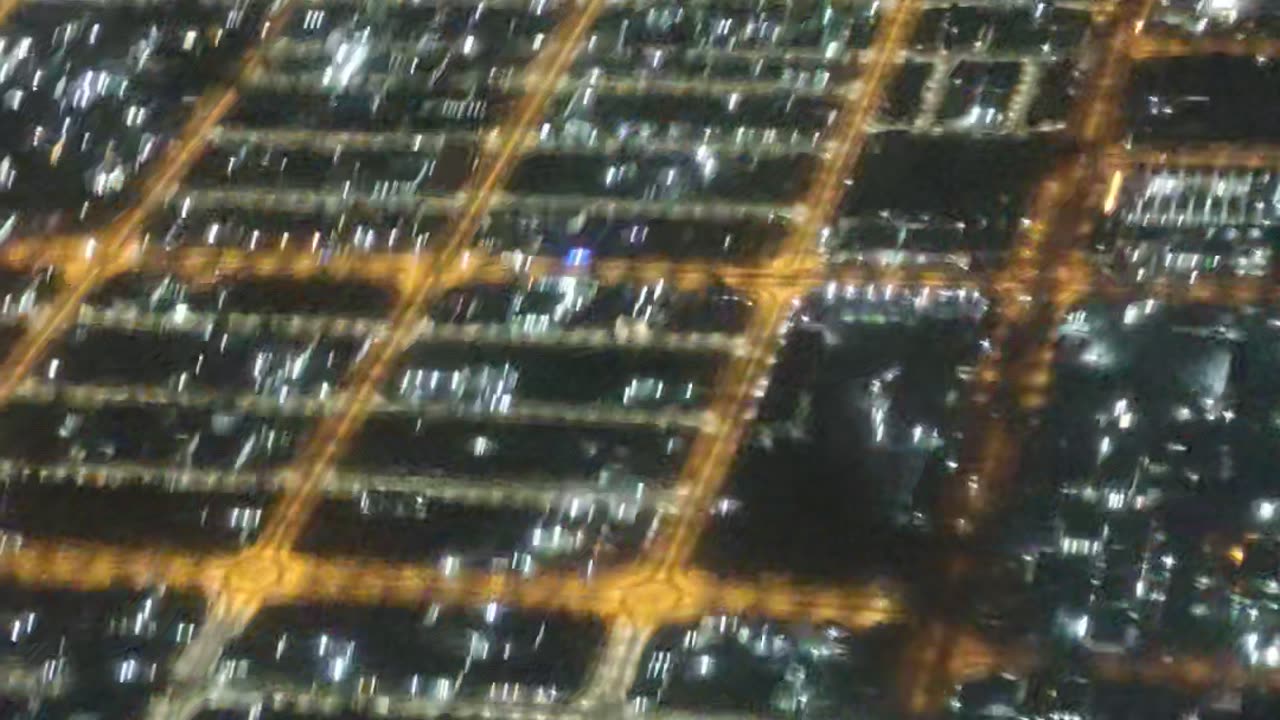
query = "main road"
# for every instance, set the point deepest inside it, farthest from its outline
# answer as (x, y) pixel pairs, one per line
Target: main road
(1038, 283)
(711, 458)
(631, 594)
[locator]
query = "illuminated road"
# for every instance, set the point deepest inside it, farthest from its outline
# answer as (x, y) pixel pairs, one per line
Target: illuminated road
(198, 659)
(1063, 212)
(205, 265)
(681, 86)
(208, 264)
(827, 186)
(676, 86)
(542, 411)
(531, 491)
(171, 477)
(111, 243)
(630, 594)
(585, 337)
(711, 457)
(7, 8)
(330, 440)
(627, 207)
(1037, 283)
(781, 146)
(329, 202)
(1046, 275)
(279, 325)
(398, 271)
(229, 136)
(638, 602)
(1151, 47)
(974, 658)
(86, 395)
(616, 666)
(1208, 156)
(1039, 270)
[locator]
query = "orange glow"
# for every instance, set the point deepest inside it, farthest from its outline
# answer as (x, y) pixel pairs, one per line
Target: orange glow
(1113, 192)
(1042, 279)
(1236, 554)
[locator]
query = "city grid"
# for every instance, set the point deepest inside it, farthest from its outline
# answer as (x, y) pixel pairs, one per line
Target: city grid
(1046, 273)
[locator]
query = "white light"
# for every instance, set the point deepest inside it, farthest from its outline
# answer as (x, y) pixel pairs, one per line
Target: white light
(1250, 643)
(1080, 627)
(1222, 6)
(705, 665)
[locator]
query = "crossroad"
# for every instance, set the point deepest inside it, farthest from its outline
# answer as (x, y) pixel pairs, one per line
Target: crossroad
(493, 169)
(632, 594)
(1043, 278)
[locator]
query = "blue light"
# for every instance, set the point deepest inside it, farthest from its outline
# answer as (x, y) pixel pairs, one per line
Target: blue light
(577, 257)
